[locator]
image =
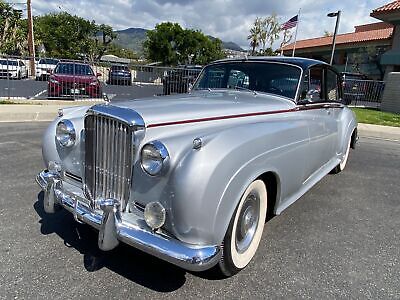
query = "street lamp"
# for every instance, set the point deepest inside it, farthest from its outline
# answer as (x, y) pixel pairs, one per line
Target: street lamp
(332, 15)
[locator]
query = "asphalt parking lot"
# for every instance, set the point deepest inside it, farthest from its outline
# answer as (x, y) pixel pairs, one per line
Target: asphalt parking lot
(36, 90)
(340, 240)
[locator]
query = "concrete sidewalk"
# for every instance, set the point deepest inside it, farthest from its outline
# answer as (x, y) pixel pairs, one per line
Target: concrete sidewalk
(37, 110)
(47, 111)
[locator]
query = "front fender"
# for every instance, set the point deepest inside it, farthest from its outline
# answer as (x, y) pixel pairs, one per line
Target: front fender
(209, 182)
(70, 158)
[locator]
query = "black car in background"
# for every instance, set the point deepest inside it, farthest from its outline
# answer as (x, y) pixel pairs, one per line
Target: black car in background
(119, 75)
(177, 81)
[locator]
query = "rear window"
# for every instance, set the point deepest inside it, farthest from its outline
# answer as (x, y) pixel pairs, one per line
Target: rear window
(48, 61)
(6, 62)
(117, 68)
(73, 69)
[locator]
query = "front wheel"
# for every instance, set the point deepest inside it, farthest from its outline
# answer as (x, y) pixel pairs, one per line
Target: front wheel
(245, 229)
(340, 167)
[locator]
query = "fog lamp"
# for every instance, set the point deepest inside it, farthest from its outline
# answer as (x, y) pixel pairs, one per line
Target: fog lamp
(154, 215)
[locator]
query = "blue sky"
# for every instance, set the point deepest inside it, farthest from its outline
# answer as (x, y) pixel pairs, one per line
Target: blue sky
(229, 20)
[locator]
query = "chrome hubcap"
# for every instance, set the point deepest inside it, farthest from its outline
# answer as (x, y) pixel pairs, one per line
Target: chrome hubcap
(247, 223)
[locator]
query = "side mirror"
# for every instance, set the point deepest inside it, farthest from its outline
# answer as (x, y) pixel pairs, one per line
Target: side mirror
(313, 95)
(99, 74)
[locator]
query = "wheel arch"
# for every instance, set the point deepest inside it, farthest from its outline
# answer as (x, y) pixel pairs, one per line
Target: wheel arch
(272, 183)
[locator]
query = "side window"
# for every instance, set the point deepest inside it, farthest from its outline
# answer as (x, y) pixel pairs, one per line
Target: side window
(332, 89)
(312, 89)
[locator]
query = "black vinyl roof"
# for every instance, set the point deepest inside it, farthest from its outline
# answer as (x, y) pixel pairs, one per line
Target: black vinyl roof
(304, 63)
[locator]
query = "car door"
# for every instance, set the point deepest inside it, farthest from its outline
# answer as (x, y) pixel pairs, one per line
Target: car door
(317, 111)
(334, 97)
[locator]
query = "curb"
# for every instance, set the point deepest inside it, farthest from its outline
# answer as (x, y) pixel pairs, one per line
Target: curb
(379, 132)
(44, 111)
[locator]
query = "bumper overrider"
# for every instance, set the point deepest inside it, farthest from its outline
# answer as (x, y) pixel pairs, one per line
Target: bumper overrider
(112, 228)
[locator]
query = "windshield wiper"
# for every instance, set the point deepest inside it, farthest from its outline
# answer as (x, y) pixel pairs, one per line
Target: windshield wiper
(245, 89)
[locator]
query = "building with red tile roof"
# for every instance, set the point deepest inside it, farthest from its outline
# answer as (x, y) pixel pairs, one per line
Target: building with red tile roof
(370, 49)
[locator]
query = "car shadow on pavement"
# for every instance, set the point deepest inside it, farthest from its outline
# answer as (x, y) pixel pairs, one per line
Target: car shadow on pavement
(126, 261)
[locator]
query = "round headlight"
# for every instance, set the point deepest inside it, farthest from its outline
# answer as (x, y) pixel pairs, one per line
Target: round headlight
(154, 215)
(154, 157)
(65, 133)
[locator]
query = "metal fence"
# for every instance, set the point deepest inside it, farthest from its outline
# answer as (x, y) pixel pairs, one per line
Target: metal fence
(359, 92)
(77, 80)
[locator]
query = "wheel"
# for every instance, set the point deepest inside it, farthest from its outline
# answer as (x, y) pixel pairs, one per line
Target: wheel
(340, 167)
(19, 76)
(245, 229)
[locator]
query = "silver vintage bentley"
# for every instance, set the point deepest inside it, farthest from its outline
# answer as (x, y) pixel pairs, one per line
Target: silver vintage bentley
(193, 178)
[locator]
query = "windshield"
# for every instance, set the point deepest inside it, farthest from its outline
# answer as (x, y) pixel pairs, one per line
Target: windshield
(5, 62)
(268, 77)
(48, 61)
(73, 69)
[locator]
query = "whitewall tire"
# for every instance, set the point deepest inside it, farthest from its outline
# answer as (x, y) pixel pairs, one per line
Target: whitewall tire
(340, 167)
(245, 229)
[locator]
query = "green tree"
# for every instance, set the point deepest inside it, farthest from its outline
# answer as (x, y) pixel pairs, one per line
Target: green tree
(13, 30)
(67, 36)
(170, 44)
(107, 36)
(256, 34)
(265, 31)
(272, 29)
(287, 37)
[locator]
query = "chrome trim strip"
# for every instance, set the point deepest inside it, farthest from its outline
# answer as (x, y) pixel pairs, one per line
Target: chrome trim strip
(136, 234)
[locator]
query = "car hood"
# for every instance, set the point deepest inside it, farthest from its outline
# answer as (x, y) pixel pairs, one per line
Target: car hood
(203, 105)
(74, 78)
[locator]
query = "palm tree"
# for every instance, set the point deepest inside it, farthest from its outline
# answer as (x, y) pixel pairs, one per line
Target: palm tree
(254, 35)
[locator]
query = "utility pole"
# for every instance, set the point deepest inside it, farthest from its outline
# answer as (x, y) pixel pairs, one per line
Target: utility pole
(31, 41)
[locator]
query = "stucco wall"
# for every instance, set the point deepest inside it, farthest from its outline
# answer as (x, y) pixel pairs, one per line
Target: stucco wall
(391, 94)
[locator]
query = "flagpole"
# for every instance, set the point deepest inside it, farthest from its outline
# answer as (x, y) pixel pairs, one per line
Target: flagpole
(295, 35)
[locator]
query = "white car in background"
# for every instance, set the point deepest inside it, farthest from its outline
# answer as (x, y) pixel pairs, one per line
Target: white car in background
(12, 68)
(44, 68)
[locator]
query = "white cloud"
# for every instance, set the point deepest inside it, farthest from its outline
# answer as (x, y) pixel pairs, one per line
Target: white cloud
(230, 20)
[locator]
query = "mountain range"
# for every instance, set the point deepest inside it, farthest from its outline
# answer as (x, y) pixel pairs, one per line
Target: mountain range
(133, 38)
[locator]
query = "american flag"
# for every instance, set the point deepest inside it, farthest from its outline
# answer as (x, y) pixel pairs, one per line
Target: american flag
(291, 23)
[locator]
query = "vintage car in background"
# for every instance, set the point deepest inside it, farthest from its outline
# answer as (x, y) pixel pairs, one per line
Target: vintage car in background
(12, 68)
(119, 75)
(73, 80)
(45, 67)
(179, 80)
(192, 178)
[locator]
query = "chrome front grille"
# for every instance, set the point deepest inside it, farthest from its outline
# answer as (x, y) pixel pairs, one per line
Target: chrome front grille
(109, 152)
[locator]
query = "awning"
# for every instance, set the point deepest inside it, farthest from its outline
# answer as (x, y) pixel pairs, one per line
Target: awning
(391, 57)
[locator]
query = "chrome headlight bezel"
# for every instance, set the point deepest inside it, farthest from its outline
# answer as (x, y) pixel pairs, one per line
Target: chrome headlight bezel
(154, 158)
(65, 133)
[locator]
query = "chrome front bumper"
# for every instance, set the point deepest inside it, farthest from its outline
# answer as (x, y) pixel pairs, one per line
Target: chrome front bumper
(113, 228)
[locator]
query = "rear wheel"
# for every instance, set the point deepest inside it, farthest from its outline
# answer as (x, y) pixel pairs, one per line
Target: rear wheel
(245, 229)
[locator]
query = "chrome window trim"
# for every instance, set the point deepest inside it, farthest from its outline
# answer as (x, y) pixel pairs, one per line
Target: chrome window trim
(300, 79)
